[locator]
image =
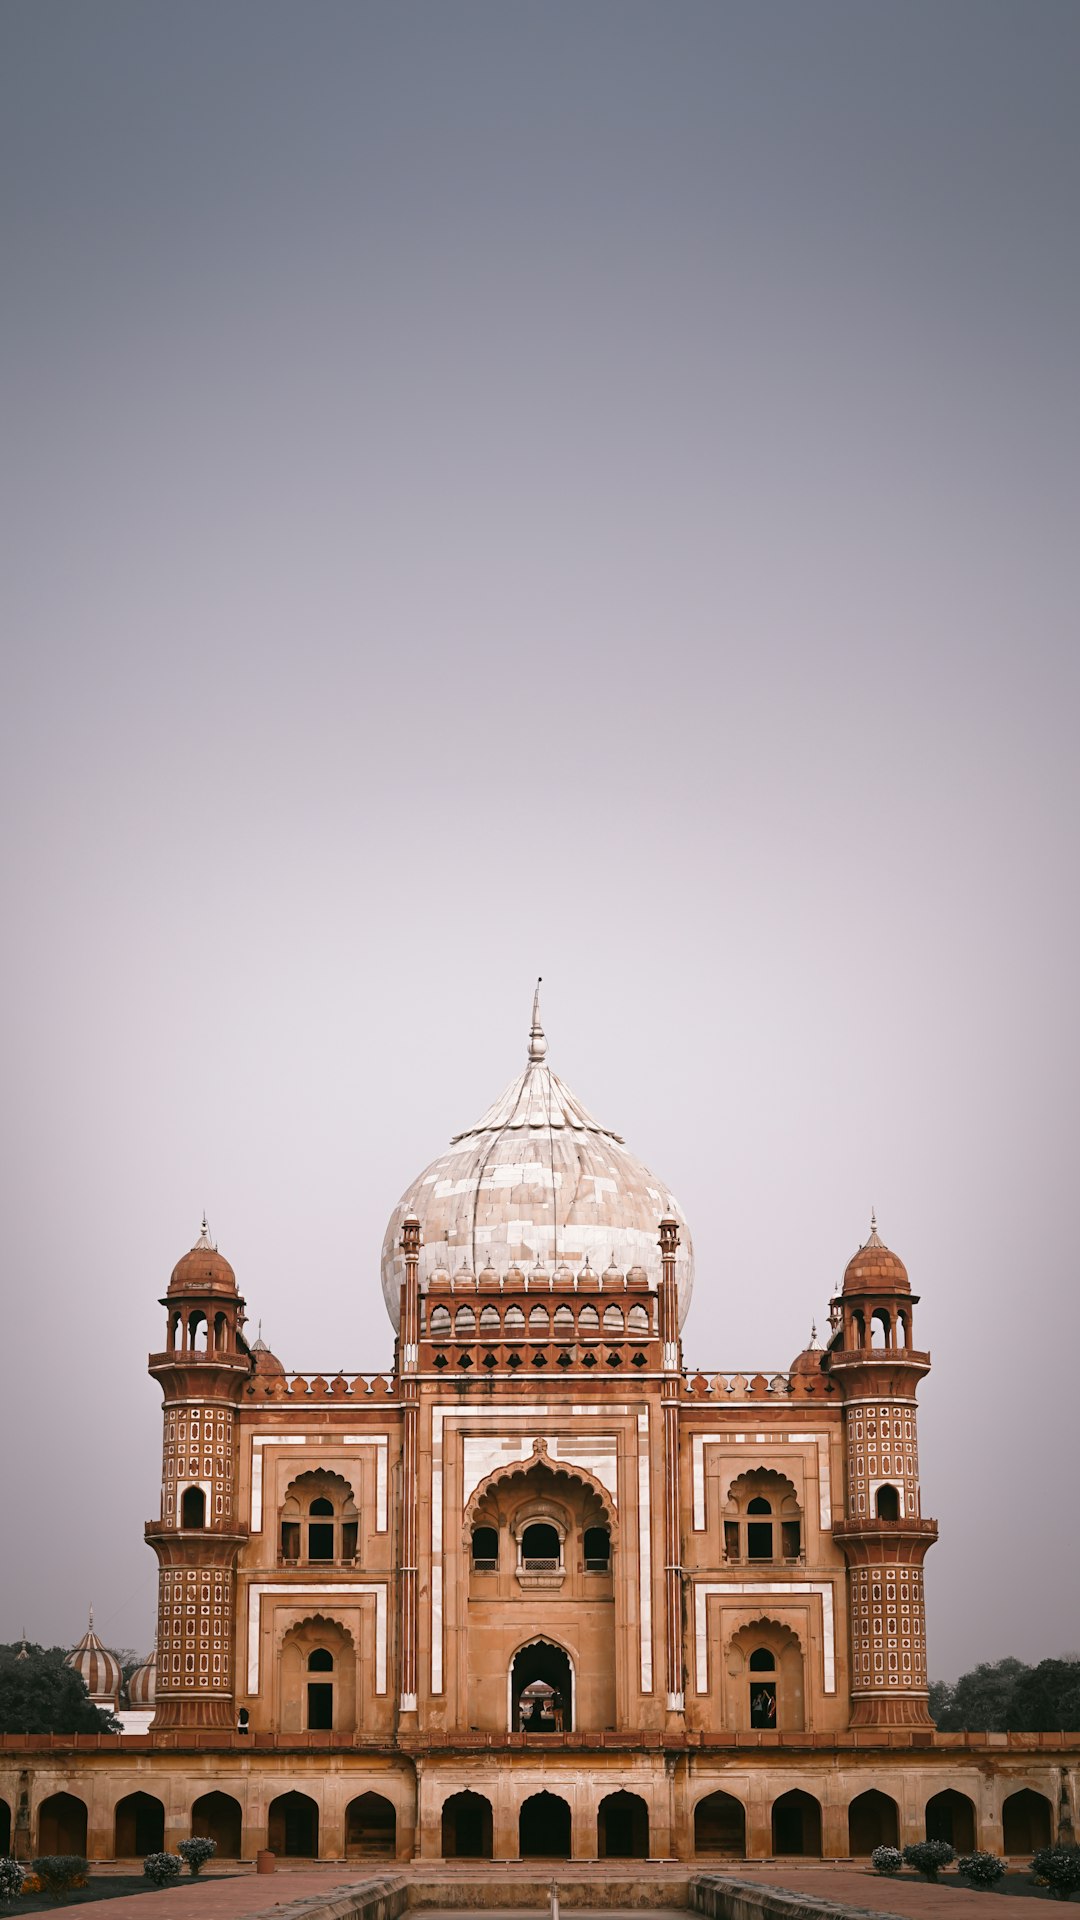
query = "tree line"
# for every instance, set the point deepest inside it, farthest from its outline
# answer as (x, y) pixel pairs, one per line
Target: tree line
(1007, 1696)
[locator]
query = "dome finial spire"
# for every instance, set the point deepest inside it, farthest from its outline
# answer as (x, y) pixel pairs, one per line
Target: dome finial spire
(537, 1042)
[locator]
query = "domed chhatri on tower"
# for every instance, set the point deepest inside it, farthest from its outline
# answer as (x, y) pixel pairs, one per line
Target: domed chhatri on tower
(536, 1179)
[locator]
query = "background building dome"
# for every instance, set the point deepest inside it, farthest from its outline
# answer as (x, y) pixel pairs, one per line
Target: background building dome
(142, 1687)
(875, 1268)
(536, 1177)
(99, 1668)
(811, 1357)
(203, 1270)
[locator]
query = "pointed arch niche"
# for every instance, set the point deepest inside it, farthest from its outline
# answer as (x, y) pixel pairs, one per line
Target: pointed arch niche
(316, 1677)
(764, 1678)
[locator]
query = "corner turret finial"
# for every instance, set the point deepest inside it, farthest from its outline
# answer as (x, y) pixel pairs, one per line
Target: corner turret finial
(204, 1239)
(537, 1041)
(875, 1239)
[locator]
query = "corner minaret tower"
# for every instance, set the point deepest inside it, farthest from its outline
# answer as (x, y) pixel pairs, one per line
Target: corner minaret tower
(873, 1360)
(198, 1535)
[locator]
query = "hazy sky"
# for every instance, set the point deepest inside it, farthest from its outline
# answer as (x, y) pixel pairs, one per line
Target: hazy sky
(580, 489)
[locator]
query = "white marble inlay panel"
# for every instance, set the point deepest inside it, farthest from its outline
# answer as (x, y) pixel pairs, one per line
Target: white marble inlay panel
(259, 1441)
(644, 1555)
(820, 1440)
(288, 1592)
(485, 1453)
(706, 1589)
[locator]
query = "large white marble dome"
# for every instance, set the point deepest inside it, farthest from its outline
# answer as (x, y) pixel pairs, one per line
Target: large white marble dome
(536, 1183)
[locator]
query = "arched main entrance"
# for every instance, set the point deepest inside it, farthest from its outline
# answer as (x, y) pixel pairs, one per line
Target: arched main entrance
(218, 1817)
(140, 1826)
(467, 1827)
(1025, 1821)
(873, 1821)
(5, 1829)
(543, 1665)
(544, 1828)
(720, 1826)
(622, 1827)
(61, 1824)
(293, 1827)
(951, 1816)
(796, 1824)
(370, 1828)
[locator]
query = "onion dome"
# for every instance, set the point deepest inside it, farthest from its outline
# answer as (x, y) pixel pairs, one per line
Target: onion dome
(612, 1273)
(875, 1269)
(811, 1357)
(203, 1270)
(99, 1668)
(536, 1177)
(142, 1687)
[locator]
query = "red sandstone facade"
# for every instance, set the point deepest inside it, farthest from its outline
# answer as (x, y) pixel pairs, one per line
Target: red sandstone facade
(544, 1587)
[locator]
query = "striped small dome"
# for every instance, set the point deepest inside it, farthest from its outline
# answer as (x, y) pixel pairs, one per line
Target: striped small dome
(99, 1668)
(142, 1687)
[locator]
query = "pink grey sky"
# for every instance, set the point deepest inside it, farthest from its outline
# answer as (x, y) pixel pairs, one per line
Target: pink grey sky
(573, 489)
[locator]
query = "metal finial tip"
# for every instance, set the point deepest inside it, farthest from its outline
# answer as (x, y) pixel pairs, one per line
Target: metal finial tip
(537, 1041)
(873, 1219)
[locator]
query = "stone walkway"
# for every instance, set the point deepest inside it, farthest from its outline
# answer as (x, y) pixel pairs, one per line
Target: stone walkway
(912, 1899)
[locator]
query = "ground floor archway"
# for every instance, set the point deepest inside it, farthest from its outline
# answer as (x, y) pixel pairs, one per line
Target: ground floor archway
(218, 1817)
(720, 1826)
(951, 1816)
(1025, 1822)
(293, 1827)
(5, 1829)
(796, 1824)
(370, 1828)
(467, 1827)
(542, 1671)
(544, 1828)
(873, 1821)
(61, 1824)
(622, 1827)
(139, 1826)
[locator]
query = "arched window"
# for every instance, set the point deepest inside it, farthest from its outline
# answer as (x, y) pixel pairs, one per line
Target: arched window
(197, 1332)
(762, 1666)
(564, 1319)
(439, 1322)
(613, 1319)
(193, 1508)
(539, 1319)
(221, 1332)
(597, 1544)
(541, 1548)
(320, 1692)
(765, 1520)
(880, 1328)
(465, 1321)
(514, 1319)
(887, 1502)
(485, 1550)
(489, 1319)
(319, 1521)
(588, 1319)
(637, 1319)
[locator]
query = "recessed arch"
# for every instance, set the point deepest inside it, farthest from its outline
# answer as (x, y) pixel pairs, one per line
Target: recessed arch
(293, 1826)
(219, 1817)
(951, 1816)
(541, 1659)
(5, 1829)
(720, 1826)
(61, 1824)
(873, 1821)
(544, 1829)
(796, 1824)
(1026, 1821)
(506, 1475)
(467, 1827)
(370, 1828)
(138, 1826)
(622, 1827)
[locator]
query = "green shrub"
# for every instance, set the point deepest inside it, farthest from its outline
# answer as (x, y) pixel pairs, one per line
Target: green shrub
(163, 1868)
(11, 1879)
(929, 1856)
(1059, 1867)
(196, 1852)
(59, 1872)
(886, 1859)
(983, 1870)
